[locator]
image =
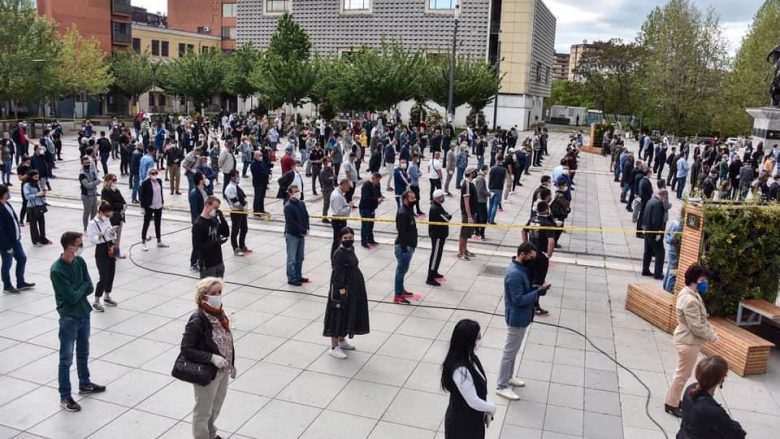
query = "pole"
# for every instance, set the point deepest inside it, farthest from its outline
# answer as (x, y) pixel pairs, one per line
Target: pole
(453, 59)
(498, 72)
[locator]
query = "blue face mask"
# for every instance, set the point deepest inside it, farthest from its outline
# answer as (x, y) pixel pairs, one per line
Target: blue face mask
(702, 287)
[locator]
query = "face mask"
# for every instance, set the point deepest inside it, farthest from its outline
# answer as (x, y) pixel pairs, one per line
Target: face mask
(213, 214)
(403, 165)
(214, 301)
(113, 186)
(347, 243)
(702, 287)
(79, 250)
(477, 345)
(295, 195)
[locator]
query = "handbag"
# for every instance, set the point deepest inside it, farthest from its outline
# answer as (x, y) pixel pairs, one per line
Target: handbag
(191, 372)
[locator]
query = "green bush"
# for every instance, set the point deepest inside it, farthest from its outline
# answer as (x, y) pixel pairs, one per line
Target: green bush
(742, 249)
(414, 114)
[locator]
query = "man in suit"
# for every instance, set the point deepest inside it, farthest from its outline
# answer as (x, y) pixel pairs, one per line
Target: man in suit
(653, 221)
(260, 176)
(11, 245)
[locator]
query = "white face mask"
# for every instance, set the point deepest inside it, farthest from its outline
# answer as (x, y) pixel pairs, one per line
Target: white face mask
(213, 213)
(477, 345)
(403, 165)
(79, 250)
(295, 195)
(113, 186)
(214, 301)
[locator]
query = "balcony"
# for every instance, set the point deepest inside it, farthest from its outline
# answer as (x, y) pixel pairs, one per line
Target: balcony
(120, 33)
(121, 7)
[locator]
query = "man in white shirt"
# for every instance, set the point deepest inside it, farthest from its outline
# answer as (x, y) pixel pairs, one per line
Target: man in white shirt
(434, 172)
(339, 207)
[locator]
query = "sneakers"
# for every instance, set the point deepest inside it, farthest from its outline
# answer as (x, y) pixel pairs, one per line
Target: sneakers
(92, 388)
(539, 311)
(70, 405)
(508, 394)
(144, 247)
(98, 307)
(469, 254)
(194, 268)
(345, 346)
(516, 382)
(109, 301)
(337, 352)
(161, 244)
(432, 282)
(408, 294)
(401, 300)
(238, 252)
(246, 250)
(465, 257)
(25, 285)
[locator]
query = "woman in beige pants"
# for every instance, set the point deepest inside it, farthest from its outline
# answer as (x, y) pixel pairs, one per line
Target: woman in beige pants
(693, 329)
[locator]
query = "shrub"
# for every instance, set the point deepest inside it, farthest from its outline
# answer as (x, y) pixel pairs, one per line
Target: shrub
(414, 114)
(742, 250)
(434, 118)
(475, 119)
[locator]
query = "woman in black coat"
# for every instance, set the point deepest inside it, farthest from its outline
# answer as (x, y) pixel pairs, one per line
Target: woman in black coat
(113, 196)
(703, 417)
(346, 313)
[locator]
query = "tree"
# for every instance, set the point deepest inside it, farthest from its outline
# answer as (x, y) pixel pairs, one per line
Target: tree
(197, 77)
(284, 81)
(610, 76)
(239, 67)
(484, 84)
(476, 82)
(290, 41)
(747, 83)
(134, 74)
(83, 68)
(682, 67)
(567, 93)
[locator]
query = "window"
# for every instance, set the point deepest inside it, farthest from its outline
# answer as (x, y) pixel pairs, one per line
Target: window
(161, 100)
(228, 10)
(538, 72)
(151, 99)
(182, 49)
(228, 32)
(190, 47)
(355, 5)
(277, 6)
(546, 75)
(442, 5)
(137, 45)
(206, 49)
(155, 48)
(164, 49)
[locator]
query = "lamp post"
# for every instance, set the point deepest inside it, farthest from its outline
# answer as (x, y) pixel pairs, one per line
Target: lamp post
(498, 73)
(39, 70)
(453, 60)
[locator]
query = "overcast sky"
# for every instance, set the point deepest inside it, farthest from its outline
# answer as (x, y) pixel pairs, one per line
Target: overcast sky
(605, 19)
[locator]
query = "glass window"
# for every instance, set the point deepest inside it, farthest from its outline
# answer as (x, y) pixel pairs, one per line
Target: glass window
(228, 32)
(190, 47)
(155, 48)
(164, 49)
(438, 5)
(538, 72)
(151, 99)
(356, 5)
(182, 49)
(228, 9)
(277, 6)
(161, 100)
(137, 45)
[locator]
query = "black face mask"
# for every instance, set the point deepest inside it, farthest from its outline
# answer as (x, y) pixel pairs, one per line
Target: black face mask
(348, 243)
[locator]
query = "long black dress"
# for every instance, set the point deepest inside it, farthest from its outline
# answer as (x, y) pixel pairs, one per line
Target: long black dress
(346, 315)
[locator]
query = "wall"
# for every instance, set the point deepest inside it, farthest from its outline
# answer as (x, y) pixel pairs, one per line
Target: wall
(188, 15)
(148, 33)
(91, 17)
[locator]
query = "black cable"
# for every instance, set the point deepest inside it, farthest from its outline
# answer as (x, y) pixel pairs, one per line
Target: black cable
(447, 308)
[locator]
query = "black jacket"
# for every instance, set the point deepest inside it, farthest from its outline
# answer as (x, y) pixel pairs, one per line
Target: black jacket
(645, 190)
(260, 173)
(208, 235)
(197, 343)
(135, 161)
(496, 178)
(437, 214)
(145, 195)
(375, 161)
(627, 172)
(653, 219)
(369, 196)
(406, 226)
(296, 218)
(704, 418)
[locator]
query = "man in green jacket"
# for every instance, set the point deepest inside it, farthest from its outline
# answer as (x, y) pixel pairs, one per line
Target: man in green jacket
(72, 286)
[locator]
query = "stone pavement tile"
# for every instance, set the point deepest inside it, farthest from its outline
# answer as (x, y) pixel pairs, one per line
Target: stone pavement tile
(269, 324)
(656, 381)
(538, 352)
(601, 344)
(238, 408)
(344, 368)
(137, 352)
(634, 415)
(133, 387)
(313, 389)
(14, 388)
(641, 433)
(364, 399)
(526, 414)
(749, 396)
(279, 419)
(555, 435)
(257, 346)
(140, 324)
(22, 354)
(532, 369)
(335, 425)
(563, 420)
(569, 357)
(601, 401)
(597, 360)
(572, 375)
(180, 430)
(514, 432)
(534, 390)
(8, 433)
(294, 353)
(421, 327)
(565, 395)
(265, 379)
(568, 339)
(31, 408)
(6, 343)
(103, 342)
(81, 424)
(174, 400)
(135, 424)
(601, 426)
(39, 371)
(30, 328)
(757, 425)
(425, 377)
(404, 346)
(163, 363)
(386, 370)
(417, 409)
(601, 380)
(389, 430)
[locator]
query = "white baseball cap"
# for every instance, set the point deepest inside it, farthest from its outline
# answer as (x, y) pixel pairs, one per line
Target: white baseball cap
(438, 193)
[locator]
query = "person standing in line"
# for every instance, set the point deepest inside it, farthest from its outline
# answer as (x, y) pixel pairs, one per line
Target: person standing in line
(519, 299)
(72, 285)
(653, 222)
(226, 163)
(209, 231)
(208, 340)
(693, 330)
(346, 314)
(463, 377)
(147, 163)
(351, 173)
(405, 244)
(104, 148)
(341, 208)
(11, 245)
(7, 150)
(401, 177)
(496, 179)
(327, 185)
(197, 199)
(151, 196)
(645, 192)
(316, 155)
(261, 174)
(370, 197)
(483, 195)
(389, 162)
(449, 166)
(36, 208)
(435, 173)
(682, 175)
(174, 156)
(103, 235)
(544, 241)
(21, 173)
(238, 216)
(135, 170)
(296, 227)
(468, 208)
(413, 171)
(88, 182)
(337, 154)
(461, 163)
(113, 196)
(438, 234)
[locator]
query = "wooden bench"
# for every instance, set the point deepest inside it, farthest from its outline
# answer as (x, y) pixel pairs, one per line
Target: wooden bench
(761, 309)
(746, 353)
(652, 304)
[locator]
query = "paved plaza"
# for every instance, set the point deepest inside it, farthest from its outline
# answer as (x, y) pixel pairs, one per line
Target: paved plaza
(289, 387)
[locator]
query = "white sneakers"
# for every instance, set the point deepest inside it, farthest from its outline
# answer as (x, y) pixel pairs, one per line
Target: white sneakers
(337, 352)
(345, 346)
(516, 382)
(508, 394)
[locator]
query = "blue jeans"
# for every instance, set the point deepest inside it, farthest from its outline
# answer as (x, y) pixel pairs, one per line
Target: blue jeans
(404, 259)
(480, 161)
(246, 166)
(527, 165)
(495, 200)
(624, 191)
(459, 174)
(669, 278)
(134, 178)
(7, 167)
(367, 227)
(104, 162)
(294, 257)
(73, 331)
(680, 186)
(21, 262)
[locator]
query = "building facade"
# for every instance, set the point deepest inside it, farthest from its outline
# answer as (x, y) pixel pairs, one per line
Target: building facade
(107, 20)
(209, 17)
(561, 66)
(576, 53)
(521, 32)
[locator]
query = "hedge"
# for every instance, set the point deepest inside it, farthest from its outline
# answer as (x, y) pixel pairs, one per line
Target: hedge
(742, 250)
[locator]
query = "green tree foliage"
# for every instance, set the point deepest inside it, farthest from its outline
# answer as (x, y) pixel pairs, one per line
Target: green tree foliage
(476, 82)
(284, 80)
(610, 76)
(290, 40)
(83, 66)
(682, 67)
(197, 77)
(134, 73)
(747, 84)
(240, 64)
(567, 93)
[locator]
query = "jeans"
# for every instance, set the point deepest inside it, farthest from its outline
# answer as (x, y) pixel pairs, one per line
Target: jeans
(243, 170)
(680, 186)
(238, 230)
(669, 278)
(294, 256)
(73, 331)
(7, 166)
(404, 259)
(21, 262)
(624, 191)
(495, 200)
(104, 162)
(514, 339)
(190, 181)
(135, 181)
(208, 404)
(459, 179)
(90, 203)
(367, 227)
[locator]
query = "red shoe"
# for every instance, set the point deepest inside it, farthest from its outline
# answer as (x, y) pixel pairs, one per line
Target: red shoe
(401, 300)
(407, 294)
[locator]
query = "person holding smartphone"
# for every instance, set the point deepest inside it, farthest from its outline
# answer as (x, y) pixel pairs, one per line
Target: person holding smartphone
(103, 235)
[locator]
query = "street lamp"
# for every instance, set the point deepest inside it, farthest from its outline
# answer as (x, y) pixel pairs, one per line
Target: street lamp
(39, 70)
(498, 73)
(451, 91)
